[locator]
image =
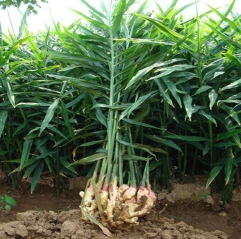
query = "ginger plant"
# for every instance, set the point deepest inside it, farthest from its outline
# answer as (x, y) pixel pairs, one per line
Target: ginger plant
(119, 192)
(115, 57)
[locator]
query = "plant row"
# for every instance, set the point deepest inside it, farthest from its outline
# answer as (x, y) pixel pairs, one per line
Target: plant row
(125, 95)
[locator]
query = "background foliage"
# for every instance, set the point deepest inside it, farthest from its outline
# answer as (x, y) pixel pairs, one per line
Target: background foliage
(177, 88)
(32, 4)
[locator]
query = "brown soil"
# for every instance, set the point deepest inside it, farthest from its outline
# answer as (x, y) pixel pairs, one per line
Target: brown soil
(45, 215)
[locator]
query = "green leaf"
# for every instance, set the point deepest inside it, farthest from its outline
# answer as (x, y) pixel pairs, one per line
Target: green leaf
(49, 115)
(208, 116)
(147, 148)
(223, 36)
(92, 21)
(172, 87)
(186, 138)
(26, 151)
(228, 166)
(12, 68)
(137, 104)
(92, 143)
(44, 154)
(139, 76)
(167, 71)
(7, 207)
(145, 41)
(10, 94)
(118, 16)
(228, 134)
(224, 144)
(163, 92)
(37, 52)
(162, 27)
(99, 115)
(90, 159)
(236, 139)
(202, 89)
(134, 158)
(134, 122)
(93, 9)
(89, 86)
(164, 141)
(141, 73)
(37, 173)
(75, 59)
(22, 24)
(30, 168)
(67, 166)
(152, 149)
(233, 58)
(54, 129)
(30, 105)
(212, 98)
(3, 118)
(233, 85)
(231, 23)
(10, 200)
(10, 52)
(66, 119)
(215, 171)
(187, 100)
(75, 101)
(145, 111)
(206, 148)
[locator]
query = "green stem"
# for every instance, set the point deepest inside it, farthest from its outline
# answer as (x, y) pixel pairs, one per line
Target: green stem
(204, 100)
(132, 174)
(185, 162)
(120, 163)
(103, 169)
(111, 125)
(57, 139)
(211, 143)
(57, 157)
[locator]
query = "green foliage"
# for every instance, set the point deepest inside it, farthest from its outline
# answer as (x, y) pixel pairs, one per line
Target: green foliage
(126, 87)
(6, 202)
(32, 4)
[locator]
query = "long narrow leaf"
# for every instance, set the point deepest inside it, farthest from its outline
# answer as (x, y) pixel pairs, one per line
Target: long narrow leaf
(37, 172)
(90, 159)
(49, 115)
(187, 100)
(228, 134)
(215, 171)
(3, 117)
(137, 104)
(212, 98)
(66, 119)
(22, 24)
(232, 85)
(163, 92)
(26, 151)
(10, 94)
(208, 116)
(186, 138)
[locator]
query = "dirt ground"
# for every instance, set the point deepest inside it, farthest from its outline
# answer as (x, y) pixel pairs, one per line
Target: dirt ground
(191, 213)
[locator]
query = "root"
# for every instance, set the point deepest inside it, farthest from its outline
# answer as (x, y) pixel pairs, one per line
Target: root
(122, 206)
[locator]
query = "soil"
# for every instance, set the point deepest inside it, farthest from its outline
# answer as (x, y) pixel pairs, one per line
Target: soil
(190, 213)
